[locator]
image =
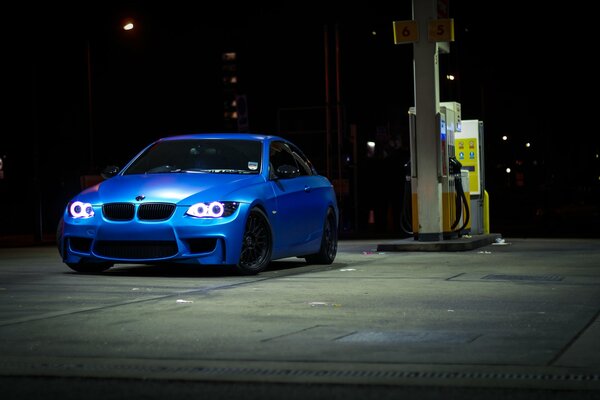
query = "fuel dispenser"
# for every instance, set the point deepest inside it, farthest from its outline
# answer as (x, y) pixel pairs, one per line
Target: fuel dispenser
(469, 152)
(454, 181)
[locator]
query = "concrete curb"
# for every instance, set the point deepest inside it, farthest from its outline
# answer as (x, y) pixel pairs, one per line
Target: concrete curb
(464, 243)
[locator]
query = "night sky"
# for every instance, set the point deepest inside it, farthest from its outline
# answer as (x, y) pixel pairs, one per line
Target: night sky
(527, 73)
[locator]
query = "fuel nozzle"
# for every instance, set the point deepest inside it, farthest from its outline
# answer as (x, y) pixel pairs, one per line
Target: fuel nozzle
(455, 166)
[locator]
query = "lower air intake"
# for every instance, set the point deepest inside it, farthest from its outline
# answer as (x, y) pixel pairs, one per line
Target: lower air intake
(135, 250)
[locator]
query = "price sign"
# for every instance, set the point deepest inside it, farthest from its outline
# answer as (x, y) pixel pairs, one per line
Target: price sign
(406, 32)
(441, 30)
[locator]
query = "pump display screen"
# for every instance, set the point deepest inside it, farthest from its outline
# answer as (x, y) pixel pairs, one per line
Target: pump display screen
(443, 127)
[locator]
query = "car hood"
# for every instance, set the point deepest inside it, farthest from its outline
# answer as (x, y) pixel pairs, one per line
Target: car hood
(171, 188)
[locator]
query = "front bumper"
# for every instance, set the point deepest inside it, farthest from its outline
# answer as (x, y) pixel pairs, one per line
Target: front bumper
(181, 238)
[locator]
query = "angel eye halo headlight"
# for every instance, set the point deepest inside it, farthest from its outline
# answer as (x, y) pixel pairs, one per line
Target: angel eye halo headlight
(215, 209)
(78, 209)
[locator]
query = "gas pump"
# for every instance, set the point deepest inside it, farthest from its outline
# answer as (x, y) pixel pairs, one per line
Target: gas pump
(469, 144)
(455, 199)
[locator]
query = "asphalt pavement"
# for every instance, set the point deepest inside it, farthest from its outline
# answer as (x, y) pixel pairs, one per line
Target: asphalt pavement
(508, 318)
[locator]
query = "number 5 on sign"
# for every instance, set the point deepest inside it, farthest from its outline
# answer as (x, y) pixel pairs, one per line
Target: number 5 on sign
(406, 32)
(441, 30)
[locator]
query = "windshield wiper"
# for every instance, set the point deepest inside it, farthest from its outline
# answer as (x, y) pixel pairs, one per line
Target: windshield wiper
(169, 168)
(163, 169)
(225, 171)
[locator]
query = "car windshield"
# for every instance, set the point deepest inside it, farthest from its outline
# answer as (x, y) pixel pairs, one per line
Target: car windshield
(219, 156)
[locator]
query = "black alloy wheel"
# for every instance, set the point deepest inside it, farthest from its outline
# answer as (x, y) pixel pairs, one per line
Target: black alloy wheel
(328, 249)
(256, 244)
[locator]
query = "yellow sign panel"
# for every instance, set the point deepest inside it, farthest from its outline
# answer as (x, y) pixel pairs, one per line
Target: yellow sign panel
(406, 32)
(467, 152)
(441, 30)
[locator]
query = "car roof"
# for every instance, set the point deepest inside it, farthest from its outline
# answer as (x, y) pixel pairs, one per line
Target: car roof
(237, 136)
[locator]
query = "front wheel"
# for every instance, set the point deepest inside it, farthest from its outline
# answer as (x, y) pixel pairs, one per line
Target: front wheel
(328, 249)
(257, 244)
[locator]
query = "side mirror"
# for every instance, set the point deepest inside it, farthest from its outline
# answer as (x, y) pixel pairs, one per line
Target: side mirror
(109, 171)
(287, 171)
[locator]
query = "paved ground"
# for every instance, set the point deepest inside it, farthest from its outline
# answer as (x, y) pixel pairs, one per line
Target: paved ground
(512, 320)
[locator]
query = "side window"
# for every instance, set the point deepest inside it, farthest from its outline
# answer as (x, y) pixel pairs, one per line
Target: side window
(303, 162)
(280, 154)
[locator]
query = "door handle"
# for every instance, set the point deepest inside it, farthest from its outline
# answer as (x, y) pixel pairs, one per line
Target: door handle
(307, 189)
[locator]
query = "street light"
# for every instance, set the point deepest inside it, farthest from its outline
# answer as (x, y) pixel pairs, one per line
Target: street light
(128, 25)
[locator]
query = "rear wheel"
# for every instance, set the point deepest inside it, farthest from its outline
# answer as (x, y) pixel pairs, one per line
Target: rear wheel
(328, 249)
(257, 244)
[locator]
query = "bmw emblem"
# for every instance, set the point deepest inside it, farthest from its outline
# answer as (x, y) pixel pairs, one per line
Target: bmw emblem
(140, 197)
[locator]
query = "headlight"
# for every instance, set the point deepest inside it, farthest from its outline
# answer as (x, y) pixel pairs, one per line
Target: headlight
(78, 209)
(216, 209)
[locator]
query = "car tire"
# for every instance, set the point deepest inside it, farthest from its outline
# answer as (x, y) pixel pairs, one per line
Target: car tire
(90, 268)
(257, 244)
(328, 249)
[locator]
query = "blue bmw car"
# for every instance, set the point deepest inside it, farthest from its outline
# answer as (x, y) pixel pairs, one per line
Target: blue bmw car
(237, 200)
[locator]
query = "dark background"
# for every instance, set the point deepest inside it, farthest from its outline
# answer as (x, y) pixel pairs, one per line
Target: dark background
(526, 73)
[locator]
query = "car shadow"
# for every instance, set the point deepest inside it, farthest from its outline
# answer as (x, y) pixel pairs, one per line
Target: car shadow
(202, 271)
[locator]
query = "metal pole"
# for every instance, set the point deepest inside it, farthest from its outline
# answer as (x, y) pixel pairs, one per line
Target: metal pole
(90, 115)
(339, 104)
(37, 181)
(327, 105)
(427, 158)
